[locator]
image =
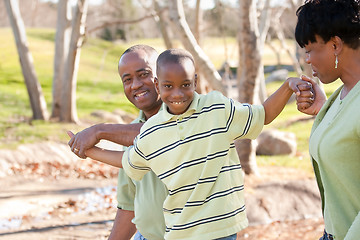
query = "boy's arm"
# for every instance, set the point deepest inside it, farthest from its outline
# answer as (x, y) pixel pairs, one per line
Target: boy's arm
(123, 134)
(277, 101)
(112, 158)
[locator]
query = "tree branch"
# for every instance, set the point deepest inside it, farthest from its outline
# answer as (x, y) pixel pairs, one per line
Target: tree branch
(121, 21)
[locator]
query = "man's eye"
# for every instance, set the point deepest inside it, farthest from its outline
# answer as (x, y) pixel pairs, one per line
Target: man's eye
(126, 80)
(145, 74)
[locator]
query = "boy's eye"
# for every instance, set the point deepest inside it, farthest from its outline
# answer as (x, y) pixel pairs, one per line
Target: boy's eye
(167, 86)
(186, 85)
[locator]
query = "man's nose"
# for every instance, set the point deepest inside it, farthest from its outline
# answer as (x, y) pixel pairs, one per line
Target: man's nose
(136, 83)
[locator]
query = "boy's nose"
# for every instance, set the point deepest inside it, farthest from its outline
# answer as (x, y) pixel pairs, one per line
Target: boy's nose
(177, 93)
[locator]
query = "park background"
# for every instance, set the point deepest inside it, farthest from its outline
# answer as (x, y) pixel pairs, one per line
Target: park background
(48, 193)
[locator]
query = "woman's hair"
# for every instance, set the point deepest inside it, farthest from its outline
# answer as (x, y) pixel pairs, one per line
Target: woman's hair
(327, 19)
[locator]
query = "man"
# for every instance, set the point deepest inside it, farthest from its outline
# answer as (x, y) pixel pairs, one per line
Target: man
(136, 68)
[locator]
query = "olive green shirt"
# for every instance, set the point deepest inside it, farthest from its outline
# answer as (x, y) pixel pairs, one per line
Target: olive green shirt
(335, 151)
(146, 198)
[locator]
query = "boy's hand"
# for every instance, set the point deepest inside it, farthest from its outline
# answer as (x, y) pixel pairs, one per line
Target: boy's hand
(317, 100)
(303, 92)
(82, 141)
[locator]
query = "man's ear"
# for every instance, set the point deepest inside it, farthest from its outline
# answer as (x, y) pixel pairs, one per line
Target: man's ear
(156, 82)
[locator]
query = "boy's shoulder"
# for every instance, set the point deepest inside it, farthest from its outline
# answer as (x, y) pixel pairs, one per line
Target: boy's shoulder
(213, 97)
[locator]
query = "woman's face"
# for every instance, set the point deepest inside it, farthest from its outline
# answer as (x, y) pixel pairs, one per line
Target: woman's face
(321, 57)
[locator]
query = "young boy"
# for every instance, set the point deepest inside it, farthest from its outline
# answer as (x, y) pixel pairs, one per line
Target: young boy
(189, 145)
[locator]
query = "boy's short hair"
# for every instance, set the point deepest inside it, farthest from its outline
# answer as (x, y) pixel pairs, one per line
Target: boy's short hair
(327, 19)
(174, 55)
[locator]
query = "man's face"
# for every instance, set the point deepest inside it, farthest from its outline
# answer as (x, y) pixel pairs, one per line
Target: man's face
(176, 84)
(136, 72)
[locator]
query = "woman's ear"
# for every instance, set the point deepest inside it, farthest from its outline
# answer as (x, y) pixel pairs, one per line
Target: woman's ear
(156, 82)
(338, 44)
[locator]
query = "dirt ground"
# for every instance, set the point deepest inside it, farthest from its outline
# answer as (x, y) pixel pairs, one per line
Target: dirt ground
(47, 193)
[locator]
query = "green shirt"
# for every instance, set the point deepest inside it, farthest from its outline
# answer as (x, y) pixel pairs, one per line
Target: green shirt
(335, 152)
(146, 197)
(195, 156)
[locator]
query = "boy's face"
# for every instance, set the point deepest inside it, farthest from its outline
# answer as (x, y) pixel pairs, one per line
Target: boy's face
(136, 71)
(176, 85)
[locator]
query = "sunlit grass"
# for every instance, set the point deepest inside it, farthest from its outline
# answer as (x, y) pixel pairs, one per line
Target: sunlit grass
(98, 86)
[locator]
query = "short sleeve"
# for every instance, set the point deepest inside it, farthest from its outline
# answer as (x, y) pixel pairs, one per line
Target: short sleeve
(134, 165)
(125, 191)
(248, 120)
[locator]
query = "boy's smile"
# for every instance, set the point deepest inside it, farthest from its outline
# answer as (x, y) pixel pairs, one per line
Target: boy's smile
(176, 84)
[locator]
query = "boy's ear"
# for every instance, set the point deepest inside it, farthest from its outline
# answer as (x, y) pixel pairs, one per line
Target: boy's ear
(156, 82)
(195, 80)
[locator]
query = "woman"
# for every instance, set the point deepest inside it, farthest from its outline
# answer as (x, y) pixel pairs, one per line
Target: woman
(330, 31)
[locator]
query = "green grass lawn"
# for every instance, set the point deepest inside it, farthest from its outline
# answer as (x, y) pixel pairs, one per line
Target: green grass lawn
(99, 87)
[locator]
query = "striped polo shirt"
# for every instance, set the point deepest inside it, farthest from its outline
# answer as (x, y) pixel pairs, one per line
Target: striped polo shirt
(194, 155)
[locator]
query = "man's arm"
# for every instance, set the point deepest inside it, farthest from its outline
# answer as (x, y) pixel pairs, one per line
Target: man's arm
(123, 134)
(123, 228)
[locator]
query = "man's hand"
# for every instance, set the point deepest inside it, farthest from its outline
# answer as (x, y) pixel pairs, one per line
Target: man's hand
(310, 105)
(83, 140)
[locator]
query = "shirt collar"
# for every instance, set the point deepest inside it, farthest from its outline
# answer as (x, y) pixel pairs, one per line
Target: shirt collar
(192, 108)
(141, 118)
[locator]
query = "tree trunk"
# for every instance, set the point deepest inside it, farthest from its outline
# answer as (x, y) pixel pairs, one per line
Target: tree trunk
(252, 71)
(37, 100)
(281, 36)
(198, 21)
(162, 25)
(181, 27)
(68, 111)
(62, 40)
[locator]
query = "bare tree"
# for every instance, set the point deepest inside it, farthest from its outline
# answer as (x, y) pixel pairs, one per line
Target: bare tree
(161, 21)
(264, 25)
(37, 100)
(62, 40)
(198, 21)
(249, 80)
(276, 25)
(181, 27)
(68, 111)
